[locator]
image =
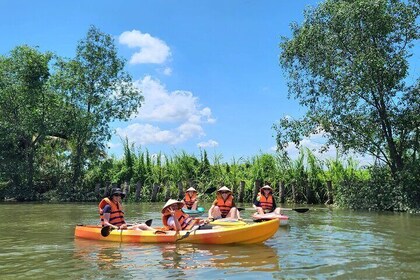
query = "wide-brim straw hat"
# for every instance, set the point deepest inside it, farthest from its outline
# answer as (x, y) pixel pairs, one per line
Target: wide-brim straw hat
(267, 187)
(224, 189)
(191, 190)
(172, 202)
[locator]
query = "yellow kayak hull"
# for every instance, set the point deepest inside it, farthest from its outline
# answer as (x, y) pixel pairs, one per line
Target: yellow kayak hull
(246, 234)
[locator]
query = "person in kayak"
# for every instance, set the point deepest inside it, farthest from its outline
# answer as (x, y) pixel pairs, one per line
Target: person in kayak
(112, 215)
(265, 202)
(224, 205)
(174, 219)
(190, 199)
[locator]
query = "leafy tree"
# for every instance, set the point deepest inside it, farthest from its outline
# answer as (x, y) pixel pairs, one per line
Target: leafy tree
(348, 63)
(98, 91)
(29, 114)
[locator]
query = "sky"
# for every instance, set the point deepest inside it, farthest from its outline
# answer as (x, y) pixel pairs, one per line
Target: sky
(208, 70)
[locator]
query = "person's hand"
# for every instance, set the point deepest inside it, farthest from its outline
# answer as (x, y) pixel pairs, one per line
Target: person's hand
(171, 211)
(210, 219)
(123, 226)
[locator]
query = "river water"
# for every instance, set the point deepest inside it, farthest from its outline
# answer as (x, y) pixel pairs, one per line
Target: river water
(37, 242)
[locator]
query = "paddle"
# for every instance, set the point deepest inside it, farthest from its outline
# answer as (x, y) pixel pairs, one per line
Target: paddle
(106, 230)
(203, 226)
(299, 210)
(209, 190)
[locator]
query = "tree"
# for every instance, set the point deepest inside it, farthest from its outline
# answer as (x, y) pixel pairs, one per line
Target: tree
(98, 91)
(348, 63)
(29, 114)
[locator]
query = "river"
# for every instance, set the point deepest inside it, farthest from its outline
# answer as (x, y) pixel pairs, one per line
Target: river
(37, 242)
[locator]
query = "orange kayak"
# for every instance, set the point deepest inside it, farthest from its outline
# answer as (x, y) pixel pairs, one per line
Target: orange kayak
(244, 234)
(284, 220)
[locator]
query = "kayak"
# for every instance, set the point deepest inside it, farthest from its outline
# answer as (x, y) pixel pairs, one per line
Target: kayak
(228, 222)
(246, 234)
(284, 220)
(197, 212)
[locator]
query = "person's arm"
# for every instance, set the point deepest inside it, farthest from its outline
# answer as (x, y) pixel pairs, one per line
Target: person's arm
(257, 202)
(274, 205)
(211, 209)
(174, 222)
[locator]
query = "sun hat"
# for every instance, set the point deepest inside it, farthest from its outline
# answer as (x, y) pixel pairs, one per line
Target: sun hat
(267, 187)
(224, 189)
(115, 191)
(191, 190)
(172, 202)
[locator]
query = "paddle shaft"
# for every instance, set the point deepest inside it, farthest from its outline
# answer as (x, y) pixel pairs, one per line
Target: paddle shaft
(299, 210)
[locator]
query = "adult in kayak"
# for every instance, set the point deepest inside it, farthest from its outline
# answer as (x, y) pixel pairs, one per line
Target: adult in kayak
(190, 200)
(174, 219)
(112, 214)
(224, 205)
(265, 202)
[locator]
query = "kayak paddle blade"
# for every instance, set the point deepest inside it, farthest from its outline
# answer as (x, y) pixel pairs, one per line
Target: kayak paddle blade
(105, 231)
(301, 210)
(210, 190)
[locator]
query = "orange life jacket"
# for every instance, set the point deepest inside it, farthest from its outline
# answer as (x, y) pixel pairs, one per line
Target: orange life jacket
(116, 217)
(224, 205)
(184, 220)
(266, 203)
(189, 200)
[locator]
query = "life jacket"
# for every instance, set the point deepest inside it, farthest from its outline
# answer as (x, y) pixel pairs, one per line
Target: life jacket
(224, 205)
(184, 220)
(189, 200)
(266, 203)
(116, 217)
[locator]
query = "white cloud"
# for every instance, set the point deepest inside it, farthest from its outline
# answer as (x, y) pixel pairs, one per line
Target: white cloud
(167, 71)
(176, 106)
(152, 50)
(314, 144)
(143, 134)
(208, 144)
(179, 111)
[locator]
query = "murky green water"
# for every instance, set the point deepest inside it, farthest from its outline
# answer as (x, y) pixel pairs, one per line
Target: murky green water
(37, 242)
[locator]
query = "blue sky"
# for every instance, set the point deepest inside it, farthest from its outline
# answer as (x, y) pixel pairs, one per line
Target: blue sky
(209, 70)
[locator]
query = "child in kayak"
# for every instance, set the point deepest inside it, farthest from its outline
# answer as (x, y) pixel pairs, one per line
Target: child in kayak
(265, 202)
(224, 205)
(174, 219)
(110, 210)
(190, 200)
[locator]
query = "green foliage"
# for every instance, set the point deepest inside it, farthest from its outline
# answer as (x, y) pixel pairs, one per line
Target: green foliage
(98, 91)
(347, 64)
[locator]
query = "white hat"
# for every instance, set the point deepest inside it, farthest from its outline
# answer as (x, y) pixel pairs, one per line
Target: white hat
(191, 190)
(172, 202)
(224, 189)
(267, 187)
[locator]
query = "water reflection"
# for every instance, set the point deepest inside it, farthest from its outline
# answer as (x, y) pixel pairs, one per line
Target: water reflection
(177, 259)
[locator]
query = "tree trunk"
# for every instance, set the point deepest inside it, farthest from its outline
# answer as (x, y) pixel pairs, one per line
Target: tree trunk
(241, 191)
(282, 193)
(257, 187)
(180, 190)
(156, 188)
(126, 189)
(139, 185)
